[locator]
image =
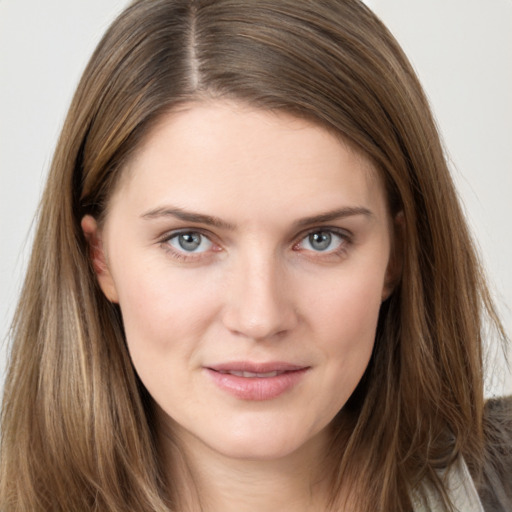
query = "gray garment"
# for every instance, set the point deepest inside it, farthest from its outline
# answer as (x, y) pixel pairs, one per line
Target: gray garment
(461, 490)
(495, 489)
(493, 493)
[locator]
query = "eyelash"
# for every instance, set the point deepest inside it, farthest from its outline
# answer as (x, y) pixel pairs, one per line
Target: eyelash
(183, 255)
(346, 240)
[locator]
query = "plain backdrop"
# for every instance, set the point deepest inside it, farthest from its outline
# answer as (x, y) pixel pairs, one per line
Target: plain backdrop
(461, 49)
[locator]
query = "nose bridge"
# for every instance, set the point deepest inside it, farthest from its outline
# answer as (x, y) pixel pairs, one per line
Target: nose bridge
(259, 305)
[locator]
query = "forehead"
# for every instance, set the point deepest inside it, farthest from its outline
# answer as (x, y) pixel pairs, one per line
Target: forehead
(220, 153)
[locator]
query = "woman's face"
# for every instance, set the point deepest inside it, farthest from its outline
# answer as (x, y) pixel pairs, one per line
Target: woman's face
(249, 253)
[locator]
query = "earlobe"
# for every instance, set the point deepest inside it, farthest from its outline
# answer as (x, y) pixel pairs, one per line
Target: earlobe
(94, 240)
(395, 264)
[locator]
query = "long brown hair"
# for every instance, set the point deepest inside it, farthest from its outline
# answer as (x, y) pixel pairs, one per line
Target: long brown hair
(77, 426)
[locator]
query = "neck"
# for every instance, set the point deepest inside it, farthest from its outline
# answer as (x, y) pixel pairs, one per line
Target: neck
(207, 481)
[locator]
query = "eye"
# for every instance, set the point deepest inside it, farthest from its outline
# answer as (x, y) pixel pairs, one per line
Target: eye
(190, 242)
(322, 241)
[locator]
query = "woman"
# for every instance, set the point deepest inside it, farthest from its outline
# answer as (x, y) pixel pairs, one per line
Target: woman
(252, 287)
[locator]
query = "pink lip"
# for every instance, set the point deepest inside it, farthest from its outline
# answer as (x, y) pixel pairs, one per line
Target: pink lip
(254, 387)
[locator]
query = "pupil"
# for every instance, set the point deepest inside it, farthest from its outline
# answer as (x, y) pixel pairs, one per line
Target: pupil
(320, 241)
(189, 241)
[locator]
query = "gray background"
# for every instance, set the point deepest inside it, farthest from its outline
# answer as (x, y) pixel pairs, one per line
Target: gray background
(461, 49)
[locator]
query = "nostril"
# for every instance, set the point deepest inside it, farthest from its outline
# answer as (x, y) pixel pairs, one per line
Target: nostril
(259, 326)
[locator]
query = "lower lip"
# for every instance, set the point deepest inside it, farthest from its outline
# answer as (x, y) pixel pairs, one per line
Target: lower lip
(257, 388)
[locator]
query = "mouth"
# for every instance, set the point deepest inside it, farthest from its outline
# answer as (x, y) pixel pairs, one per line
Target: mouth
(252, 375)
(254, 381)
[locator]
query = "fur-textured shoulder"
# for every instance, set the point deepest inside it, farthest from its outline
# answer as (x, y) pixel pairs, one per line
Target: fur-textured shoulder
(496, 486)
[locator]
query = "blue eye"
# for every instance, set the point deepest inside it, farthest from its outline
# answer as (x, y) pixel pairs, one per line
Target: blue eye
(190, 241)
(322, 241)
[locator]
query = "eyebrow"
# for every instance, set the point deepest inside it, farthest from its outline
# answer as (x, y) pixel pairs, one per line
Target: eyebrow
(340, 213)
(194, 217)
(210, 220)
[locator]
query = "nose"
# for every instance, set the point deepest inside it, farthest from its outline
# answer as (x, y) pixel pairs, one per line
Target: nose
(259, 301)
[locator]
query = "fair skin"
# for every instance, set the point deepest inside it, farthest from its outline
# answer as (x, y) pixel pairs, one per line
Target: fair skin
(247, 241)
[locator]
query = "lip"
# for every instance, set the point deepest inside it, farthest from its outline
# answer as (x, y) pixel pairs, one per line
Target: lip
(262, 381)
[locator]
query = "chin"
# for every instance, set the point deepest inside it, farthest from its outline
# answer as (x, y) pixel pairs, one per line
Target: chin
(264, 445)
(257, 451)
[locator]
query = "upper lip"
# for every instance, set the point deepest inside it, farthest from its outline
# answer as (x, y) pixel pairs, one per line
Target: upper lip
(254, 367)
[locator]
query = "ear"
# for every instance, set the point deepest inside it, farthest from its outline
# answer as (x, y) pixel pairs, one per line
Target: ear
(395, 264)
(93, 237)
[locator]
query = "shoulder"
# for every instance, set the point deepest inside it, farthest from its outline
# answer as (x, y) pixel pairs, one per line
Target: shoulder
(496, 485)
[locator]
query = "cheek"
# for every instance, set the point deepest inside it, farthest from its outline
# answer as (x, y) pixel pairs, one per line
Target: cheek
(351, 304)
(163, 311)
(165, 320)
(346, 320)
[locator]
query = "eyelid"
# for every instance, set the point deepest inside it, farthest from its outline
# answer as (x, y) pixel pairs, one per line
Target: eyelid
(185, 255)
(342, 232)
(165, 237)
(346, 235)
(176, 241)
